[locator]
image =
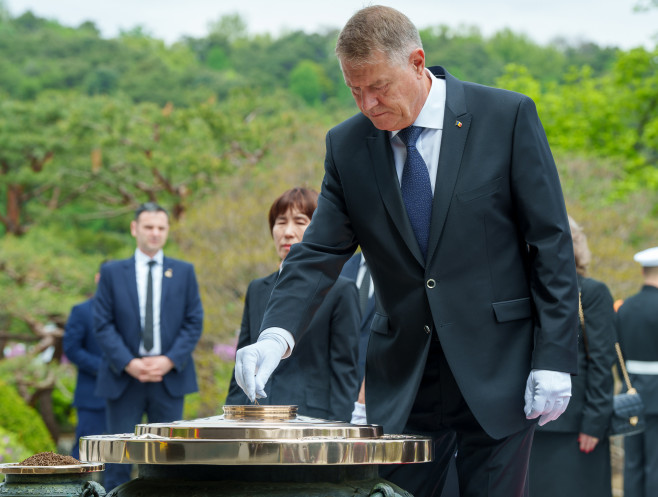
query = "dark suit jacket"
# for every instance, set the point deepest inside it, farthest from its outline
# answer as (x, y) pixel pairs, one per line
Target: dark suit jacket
(320, 376)
(351, 271)
(637, 325)
(118, 328)
(499, 285)
(590, 406)
(82, 349)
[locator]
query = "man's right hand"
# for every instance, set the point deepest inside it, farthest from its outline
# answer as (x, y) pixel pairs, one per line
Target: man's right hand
(255, 364)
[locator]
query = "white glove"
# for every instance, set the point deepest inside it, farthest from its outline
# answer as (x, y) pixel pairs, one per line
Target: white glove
(255, 364)
(547, 394)
(359, 414)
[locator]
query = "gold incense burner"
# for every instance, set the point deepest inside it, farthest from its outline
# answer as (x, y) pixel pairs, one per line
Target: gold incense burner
(254, 450)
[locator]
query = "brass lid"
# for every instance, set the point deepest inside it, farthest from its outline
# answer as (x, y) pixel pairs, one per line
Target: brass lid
(258, 412)
(18, 469)
(256, 435)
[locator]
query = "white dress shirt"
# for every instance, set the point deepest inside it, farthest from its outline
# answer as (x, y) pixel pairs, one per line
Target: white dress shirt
(142, 271)
(429, 142)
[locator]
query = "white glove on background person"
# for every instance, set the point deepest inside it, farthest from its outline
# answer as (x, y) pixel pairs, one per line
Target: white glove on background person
(359, 414)
(547, 394)
(255, 363)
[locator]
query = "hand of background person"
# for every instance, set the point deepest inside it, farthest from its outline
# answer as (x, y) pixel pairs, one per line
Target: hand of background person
(138, 369)
(547, 394)
(587, 443)
(254, 364)
(149, 369)
(158, 366)
(359, 414)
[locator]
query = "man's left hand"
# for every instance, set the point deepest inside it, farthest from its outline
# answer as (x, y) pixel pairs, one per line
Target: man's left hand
(547, 395)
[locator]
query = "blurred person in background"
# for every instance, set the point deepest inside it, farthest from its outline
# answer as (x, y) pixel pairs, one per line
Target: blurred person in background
(637, 325)
(321, 376)
(571, 456)
(82, 349)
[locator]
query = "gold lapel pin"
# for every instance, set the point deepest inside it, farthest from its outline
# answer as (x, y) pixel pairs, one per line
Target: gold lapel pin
(169, 273)
(458, 124)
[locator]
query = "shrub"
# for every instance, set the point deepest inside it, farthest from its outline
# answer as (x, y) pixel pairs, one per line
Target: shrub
(23, 421)
(11, 450)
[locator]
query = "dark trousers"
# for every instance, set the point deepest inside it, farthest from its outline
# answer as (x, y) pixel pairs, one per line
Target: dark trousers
(128, 410)
(90, 422)
(641, 461)
(486, 467)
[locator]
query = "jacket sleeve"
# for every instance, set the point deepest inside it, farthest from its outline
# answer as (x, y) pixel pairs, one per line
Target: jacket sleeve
(542, 218)
(344, 348)
(77, 327)
(600, 331)
(191, 328)
(111, 342)
(235, 394)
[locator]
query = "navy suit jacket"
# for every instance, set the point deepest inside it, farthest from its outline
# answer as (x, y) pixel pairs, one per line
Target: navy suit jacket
(320, 376)
(82, 349)
(637, 325)
(118, 326)
(351, 271)
(498, 286)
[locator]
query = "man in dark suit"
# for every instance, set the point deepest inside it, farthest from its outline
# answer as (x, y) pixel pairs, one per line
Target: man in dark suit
(148, 319)
(637, 325)
(466, 236)
(82, 349)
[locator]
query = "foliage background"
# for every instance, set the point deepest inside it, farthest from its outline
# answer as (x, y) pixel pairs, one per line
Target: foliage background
(214, 128)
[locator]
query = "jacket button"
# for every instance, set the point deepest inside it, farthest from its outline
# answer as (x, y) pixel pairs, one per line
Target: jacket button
(431, 283)
(427, 329)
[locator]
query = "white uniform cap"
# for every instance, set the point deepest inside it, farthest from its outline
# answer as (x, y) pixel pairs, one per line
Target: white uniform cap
(648, 257)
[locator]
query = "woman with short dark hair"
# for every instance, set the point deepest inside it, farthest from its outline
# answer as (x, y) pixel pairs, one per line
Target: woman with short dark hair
(320, 377)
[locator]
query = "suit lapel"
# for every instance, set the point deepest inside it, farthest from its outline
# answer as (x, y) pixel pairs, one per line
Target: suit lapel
(168, 276)
(456, 124)
(383, 163)
(130, 283)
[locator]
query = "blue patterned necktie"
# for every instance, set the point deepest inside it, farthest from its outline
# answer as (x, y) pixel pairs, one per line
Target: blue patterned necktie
(416, 188)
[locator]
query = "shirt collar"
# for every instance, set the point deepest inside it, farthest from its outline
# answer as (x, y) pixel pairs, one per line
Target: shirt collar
(142, 258)
(431, 115)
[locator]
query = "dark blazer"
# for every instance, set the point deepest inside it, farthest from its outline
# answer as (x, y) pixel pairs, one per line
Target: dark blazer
(118, 328)
(637, 325)
(320, 376)
(82, 349)
(351, 271)
(499, 285)
(590, 406)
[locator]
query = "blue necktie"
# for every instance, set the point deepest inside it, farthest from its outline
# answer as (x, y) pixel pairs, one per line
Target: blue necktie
(416, 188)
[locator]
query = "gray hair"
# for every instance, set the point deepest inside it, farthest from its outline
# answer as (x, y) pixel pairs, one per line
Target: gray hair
(377, 29)
(580, 247)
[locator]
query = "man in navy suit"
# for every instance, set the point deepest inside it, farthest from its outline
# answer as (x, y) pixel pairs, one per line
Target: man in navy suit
(82, 349)
(148, 319)
(451, 191)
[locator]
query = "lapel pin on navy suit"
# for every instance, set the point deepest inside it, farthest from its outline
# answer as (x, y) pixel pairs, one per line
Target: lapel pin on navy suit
(458, 124)
(168, 273)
